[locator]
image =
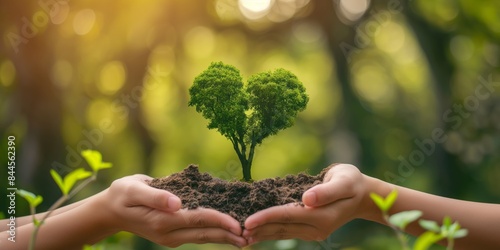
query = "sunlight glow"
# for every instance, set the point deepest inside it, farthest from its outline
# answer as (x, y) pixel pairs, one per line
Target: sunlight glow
(199, 42)
(103, 111)
(112, 77)
(372, 83)
(84, 21)
(353, 9)
(390, 37)
(254, 9)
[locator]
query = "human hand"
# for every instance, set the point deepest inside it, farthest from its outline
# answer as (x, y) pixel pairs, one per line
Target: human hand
(155, 214)
(327, 206)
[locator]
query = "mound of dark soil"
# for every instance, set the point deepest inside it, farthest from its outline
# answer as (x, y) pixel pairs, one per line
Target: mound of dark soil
(238, 199)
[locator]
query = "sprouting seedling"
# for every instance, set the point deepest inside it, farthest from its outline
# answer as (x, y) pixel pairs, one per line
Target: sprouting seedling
(399, 221)
(448, 230)
(94, 159)
(246, 115)
(70, 179)
(33, 201)
(67, 187)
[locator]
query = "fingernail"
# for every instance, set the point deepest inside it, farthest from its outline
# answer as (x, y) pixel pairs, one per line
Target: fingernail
(310, 198)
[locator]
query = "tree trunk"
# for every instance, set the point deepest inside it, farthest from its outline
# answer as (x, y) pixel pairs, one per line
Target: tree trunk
(247, 174)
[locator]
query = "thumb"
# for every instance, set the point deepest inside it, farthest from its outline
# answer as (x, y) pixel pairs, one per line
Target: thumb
(335, 187)
(142, 194)
(319, 195)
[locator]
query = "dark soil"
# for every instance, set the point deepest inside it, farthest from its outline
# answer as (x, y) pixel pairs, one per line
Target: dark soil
(238, 199)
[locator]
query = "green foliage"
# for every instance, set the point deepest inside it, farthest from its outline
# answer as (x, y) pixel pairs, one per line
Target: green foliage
(447, 230)
(275, 98)
(32, 199)
(402, 219)
(246, 116)
(218, 95)
(70, 179)
(67, 187)
(94, 159)
(384, 204)
(399, 221)
(426, 240)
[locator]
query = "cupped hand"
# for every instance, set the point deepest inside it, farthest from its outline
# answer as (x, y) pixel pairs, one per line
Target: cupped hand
(327, 206)
(155, 214)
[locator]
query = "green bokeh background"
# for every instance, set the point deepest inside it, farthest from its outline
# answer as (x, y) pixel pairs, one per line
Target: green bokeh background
(382, 77)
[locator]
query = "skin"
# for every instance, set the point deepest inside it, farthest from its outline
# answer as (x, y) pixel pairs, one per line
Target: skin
(129, 204)
(344, 196)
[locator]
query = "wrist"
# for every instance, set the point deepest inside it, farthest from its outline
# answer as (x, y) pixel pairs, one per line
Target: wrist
(105, 218)
(369, 211)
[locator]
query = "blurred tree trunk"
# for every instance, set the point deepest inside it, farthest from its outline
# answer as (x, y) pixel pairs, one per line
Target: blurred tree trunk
(354, 118)
(449, 179)
(39, 105)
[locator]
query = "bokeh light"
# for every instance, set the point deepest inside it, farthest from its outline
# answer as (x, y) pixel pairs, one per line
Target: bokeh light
(112, 77)
(254, 9)
(7, 73)
(84, 21)
(353, 10)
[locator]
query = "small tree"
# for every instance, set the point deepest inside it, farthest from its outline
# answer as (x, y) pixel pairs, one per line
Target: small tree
(246, 115)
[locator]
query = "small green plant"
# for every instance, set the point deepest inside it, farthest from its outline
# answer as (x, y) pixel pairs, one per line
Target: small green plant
(67, 187)
(399, 221)
(246, 115)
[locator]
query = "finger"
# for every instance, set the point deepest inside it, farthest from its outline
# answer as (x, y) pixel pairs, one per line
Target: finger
(289, 213)
(338, 184)
(203, 217)
(201, 236)
(141, 194)
(277, 231)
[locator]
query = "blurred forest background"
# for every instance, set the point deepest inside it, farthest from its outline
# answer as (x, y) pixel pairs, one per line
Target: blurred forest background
(407, 91)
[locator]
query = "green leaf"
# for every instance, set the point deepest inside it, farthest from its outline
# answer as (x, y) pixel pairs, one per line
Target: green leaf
(447, 222)
(33, 200)
(105, 165)
(384, 204)
(460, 233)
(94, 159)
(455, 231)
(454, 227)
(425, 240)
(402, 219)
(429, 225)
(57, 178)
(379, 201)
(71, 178)
(391, 198)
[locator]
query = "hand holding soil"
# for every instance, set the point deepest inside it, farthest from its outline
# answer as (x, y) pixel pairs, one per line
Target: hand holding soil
(237, 199)
(155, 215)
(327, 207)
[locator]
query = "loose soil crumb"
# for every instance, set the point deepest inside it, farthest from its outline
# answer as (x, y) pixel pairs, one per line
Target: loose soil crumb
(238, 199)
